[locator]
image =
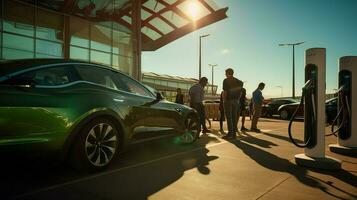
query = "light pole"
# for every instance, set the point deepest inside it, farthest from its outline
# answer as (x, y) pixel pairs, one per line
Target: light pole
(199, 56)
(293, 45)
(212, 74)
(281, 89)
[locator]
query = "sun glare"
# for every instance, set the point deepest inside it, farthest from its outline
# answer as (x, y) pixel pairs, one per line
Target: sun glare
(193, 9)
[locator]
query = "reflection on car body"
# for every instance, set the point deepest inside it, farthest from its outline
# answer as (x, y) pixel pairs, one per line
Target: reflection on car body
(84, 111)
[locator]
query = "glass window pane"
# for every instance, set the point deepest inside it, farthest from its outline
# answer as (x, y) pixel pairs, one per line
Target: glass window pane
(154, 5)
(97, 75)
(121, 28)
(122, 42)
(127, 19)
(161, 25)
(157, 82)
(123, 63)
(18, 18)
(145, 14)
(148, 80)
(79, 31)
(40, 55)
(150, 33)
(133, 86)
(100, 57)
(16, 54)
(49, 48)
(174, 18)
(182, 85)
(101, 36)
(18, 42)
(172, 84)
(53, 76)
(164, 83)
(49, 76)
(49, 25)
(79, 53)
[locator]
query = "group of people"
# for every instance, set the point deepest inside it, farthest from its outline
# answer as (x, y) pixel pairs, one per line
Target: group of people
(232, 103)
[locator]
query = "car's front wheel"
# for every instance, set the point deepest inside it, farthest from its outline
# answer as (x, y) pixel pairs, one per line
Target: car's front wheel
(192, 130)
(284, 114)
(96, 145)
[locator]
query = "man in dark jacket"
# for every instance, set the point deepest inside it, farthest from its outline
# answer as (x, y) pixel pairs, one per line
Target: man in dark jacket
(231, 95)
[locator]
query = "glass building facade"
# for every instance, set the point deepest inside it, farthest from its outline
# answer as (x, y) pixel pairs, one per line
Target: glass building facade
(30, 31)
(111, 32)
(168, 85)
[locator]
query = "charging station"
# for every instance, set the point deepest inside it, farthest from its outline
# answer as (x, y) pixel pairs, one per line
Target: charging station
(347, 108)
(313, 100)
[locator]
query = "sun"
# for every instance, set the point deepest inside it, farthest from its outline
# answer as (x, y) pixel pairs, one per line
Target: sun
(193, 9)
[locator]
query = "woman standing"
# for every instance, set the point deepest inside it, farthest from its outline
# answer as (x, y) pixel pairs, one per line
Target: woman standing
(179, 96)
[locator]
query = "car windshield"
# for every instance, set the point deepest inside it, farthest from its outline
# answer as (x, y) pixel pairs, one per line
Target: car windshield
(153, 90)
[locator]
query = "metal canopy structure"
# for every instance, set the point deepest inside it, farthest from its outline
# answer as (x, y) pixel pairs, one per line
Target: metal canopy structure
(162, 21)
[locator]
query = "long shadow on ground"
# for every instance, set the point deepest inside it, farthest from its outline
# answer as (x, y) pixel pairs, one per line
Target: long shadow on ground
(280, 137)
(138, 173)
(273, 162)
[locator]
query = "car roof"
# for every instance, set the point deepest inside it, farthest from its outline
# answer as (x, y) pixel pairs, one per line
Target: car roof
(11, 66)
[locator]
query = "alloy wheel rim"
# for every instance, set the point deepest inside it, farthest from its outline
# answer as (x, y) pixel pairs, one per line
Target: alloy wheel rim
(100, 144)
(284, 114)
(191, 131)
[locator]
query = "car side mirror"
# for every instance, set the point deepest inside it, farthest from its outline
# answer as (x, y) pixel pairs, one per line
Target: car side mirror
(159, 96)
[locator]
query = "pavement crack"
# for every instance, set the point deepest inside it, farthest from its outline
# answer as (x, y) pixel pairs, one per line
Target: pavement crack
(272, 188)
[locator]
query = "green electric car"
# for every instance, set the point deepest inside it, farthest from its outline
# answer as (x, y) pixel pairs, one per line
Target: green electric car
(82, 111)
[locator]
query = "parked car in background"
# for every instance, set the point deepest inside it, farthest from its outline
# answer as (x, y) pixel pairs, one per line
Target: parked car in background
(331, 109)
(286, 111)
(270, 109)
(82, 111)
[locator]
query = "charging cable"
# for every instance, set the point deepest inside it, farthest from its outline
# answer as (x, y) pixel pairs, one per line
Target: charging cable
(305, 90)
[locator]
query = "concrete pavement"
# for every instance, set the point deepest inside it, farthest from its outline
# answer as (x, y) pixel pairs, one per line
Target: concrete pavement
(255, 166)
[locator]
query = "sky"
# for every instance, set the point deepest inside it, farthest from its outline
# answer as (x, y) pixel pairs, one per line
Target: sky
(247, 41)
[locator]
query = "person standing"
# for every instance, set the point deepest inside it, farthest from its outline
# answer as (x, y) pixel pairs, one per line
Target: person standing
(196, 94)
(179, 96)
(221, 112)
(242, 109)
(231, 95)
(257, 106)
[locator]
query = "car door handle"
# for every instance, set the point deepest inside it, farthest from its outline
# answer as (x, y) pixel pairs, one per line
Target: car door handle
(118, 100)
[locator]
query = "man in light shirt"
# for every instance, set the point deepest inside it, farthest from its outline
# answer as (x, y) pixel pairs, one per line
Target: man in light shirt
(196, 94)
(257, 106)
